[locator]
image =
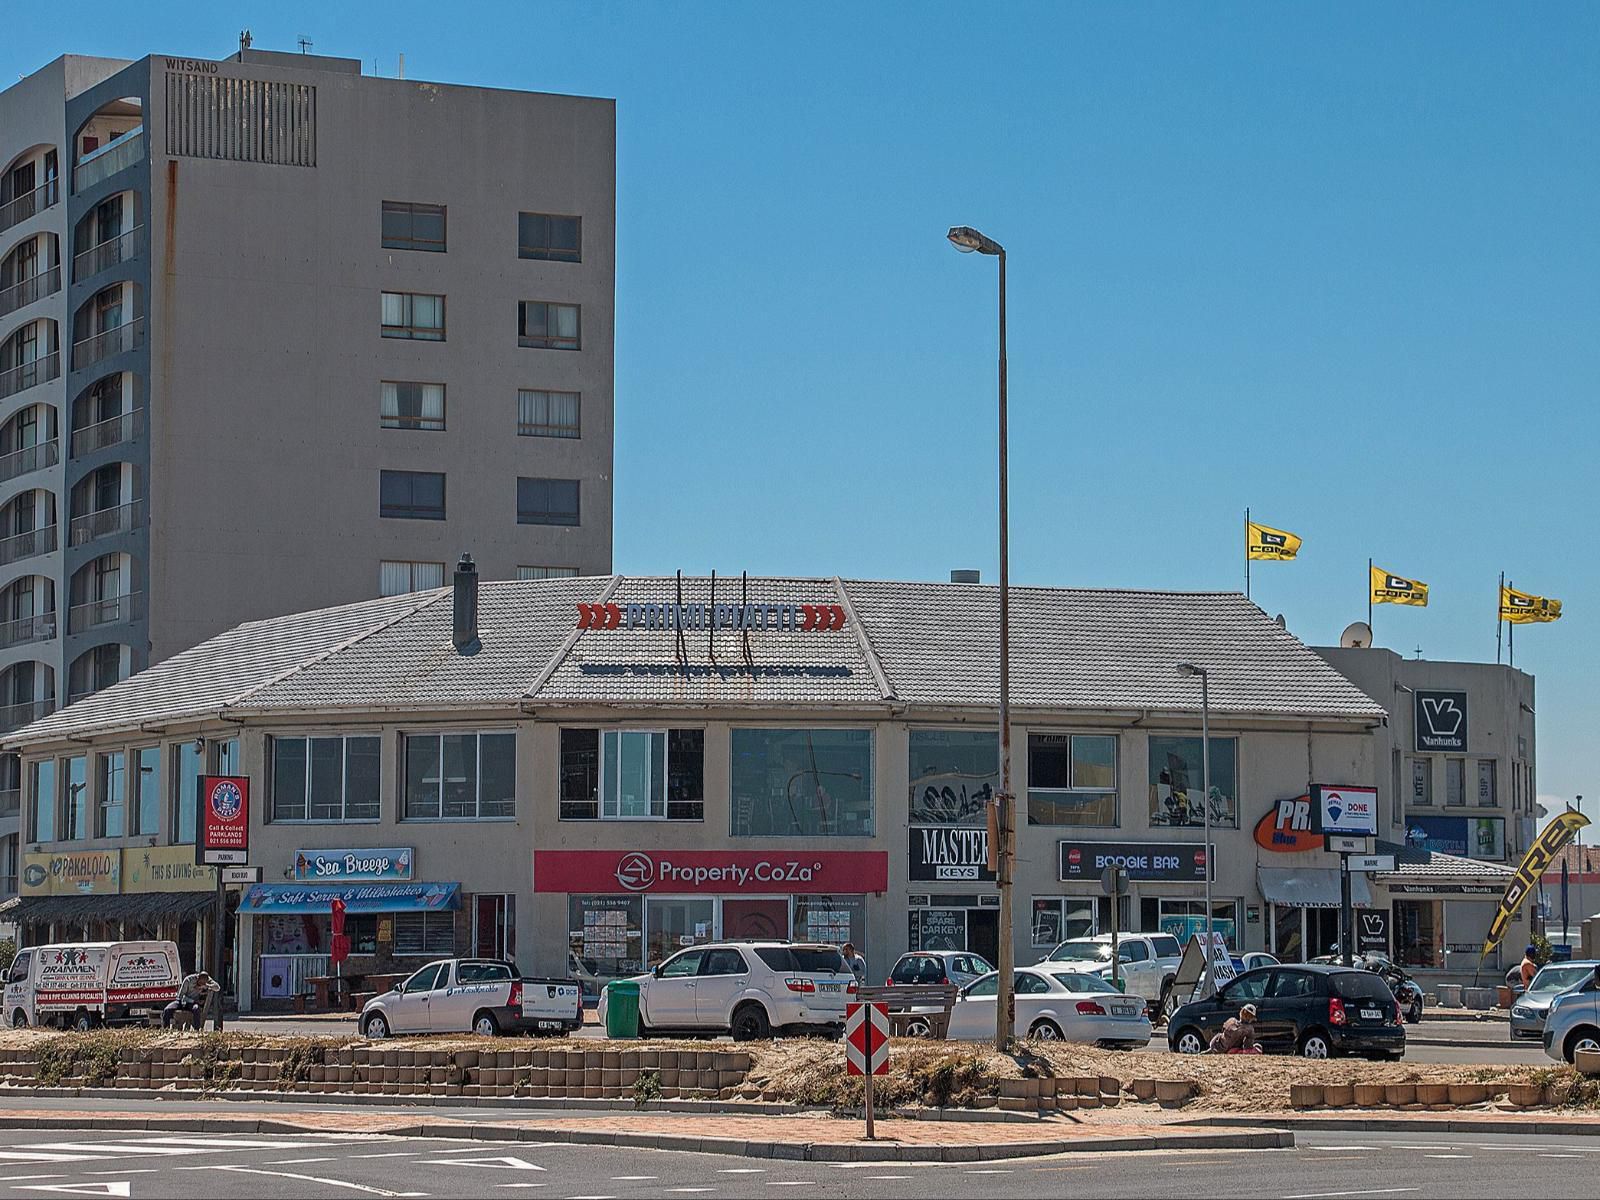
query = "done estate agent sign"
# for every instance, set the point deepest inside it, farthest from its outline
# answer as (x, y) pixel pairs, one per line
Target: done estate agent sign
(1169, 862)
(389, 864)
(710, 871)
(224, 834)
(948, 852)
(1351, 810)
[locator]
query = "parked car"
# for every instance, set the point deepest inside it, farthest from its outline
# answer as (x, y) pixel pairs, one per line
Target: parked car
(1529, 1011)
(482, 995)
(1053, 1006)
(749, 989)
(85, 984)
(1148, 962)
(1252, 960)
(959, 967)
(1573, 1022)
(1307, 1009)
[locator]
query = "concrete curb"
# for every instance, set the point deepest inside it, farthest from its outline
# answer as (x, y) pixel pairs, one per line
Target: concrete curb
(1394, 1123)
(1501, 1043)
(1254, 1139)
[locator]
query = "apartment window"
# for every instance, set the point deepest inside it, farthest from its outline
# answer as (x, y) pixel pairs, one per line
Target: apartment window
(1488, 790)
(547, 326)
(186, 769)
(146, 768)
(632, 775)
(407, 405)
(1455, 781)
(543, 235)
(954, 774)
(1072, 779)
(413, 315)
(398, 578)
(110, 795)
(460, 776)
(1175, 779)
(325, 778)
(547, 572)
(546, 501)
(1422, 781)
(413, 226)
(225, 757)
(424, 935)
(801, 782)
(547, 414)
(42, 817)
(414, 495)
(77, 797)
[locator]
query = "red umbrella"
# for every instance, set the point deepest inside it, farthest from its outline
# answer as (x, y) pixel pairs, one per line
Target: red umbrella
(340, 950)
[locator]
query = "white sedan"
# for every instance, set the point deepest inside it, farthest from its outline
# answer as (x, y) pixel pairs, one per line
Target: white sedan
(1051, 1005)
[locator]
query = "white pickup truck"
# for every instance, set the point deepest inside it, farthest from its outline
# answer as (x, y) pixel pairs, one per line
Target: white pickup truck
(482, 995)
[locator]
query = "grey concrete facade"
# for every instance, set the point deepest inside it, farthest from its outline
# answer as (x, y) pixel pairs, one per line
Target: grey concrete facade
(207, 365)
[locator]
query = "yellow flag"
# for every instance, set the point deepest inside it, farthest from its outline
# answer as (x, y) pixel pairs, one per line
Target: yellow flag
(1523, 608)
(1538, 858)
(1396, 589)
(1262, 541)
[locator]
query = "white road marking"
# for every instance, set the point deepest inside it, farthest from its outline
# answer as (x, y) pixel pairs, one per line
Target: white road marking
(504, 1162)
(1360, 1147)
(791, 1183)
(127, 1171)
(343, 1183)
(1364, 1192)
(289, 1162)
(690, 1189)
(1447, 1156)
(1547, 1155)
(522, 1185)
(991, 1171)
(632, 1178)
(888, 1177)
(741, 1170)
(120, 1187)
(11, 1178)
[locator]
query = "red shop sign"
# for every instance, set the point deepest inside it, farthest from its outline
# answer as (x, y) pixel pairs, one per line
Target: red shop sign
(711, 871)
(224, 834)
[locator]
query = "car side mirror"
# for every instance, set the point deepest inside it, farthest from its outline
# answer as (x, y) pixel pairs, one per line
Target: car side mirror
(400, 988)
(656, 971)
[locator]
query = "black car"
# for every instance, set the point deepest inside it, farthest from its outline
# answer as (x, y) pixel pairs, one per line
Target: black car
(1315, 1011)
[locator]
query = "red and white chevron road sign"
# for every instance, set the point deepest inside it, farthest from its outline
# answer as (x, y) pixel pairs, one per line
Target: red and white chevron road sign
(866, 1038)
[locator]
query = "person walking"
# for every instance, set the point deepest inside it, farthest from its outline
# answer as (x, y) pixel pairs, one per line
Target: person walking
(1529, 967)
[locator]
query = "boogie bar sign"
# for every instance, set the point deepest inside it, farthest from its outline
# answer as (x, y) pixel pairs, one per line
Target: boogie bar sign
(787, 617)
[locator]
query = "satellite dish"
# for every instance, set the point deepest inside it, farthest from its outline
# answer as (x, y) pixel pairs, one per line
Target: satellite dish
(1356, 636)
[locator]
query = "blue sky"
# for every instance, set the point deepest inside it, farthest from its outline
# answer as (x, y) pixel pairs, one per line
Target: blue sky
(1339, 265)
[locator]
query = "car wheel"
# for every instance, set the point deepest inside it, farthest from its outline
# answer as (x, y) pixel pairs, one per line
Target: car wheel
(1316, 1045)
(19, 1020)
(485, 1025)
(83, 1022)
(1582, 1039)
(376, 1027)
(1045, 1030)
(1415, 1013)
(750, 1024)
(919, 1027)
(1189, 1041)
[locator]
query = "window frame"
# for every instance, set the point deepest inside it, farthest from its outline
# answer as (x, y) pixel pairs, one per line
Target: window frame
(412, 512)
(696, 805)
(548, 340)
(344, 740)
(409, 330)
(1152, 783)
(1114, 791)
(430, 950)
(412, 565)
(108, 765)
(666, 772)
(527, 516)
(872, 824)
(548, 253)
(410, 209)
(399, 420)
(559, 573)
(51, 803)
(549, 429)
(140, 788)
(477, 734)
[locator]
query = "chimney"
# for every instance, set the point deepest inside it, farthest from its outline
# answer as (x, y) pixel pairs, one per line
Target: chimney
(963, 577)
(466, 606)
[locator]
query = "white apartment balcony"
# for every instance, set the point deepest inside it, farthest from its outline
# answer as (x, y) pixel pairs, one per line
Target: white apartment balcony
(27, 545)
(116, 340)
(26, 375)
(113, 610)
(105, 522)
(113, 431)
(29, 458)
(26, 205)
(108, 253)
(15, 716)
(25, 292)
(23, 630)
(103, 163)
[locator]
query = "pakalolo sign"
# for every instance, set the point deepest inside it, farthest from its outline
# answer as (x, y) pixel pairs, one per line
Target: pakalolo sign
(710, 871)
(224, 833)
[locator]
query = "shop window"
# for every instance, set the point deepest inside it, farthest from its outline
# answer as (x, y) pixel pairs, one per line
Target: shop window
(1176, 771)
(1419, 933)
(1422, 781)
(1057, 918)
(831, 919)
(42, 817)
(1072, 779)
(801, 782)
(146, 765)
(77, 799)
(1455, 781)
(632, 775)
(954, 775)
(325, 778)
(605, 938)
(110, 795)
(186, 768)
(672, 922)
(460, 776)
(431, 933)
(225, 757)
(1488, 791)
(1183, 918)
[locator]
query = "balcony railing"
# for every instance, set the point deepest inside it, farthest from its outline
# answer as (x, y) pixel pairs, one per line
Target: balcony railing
(122, 428)
(16, 211)
(35, 287)
(40, 628)
(29, 458)
(108, 253)
(24, 375)
(122, 338)
(113, 610)
(105, 162)
(10, 806)
(15, 716)
(26, 545)
(107, 521)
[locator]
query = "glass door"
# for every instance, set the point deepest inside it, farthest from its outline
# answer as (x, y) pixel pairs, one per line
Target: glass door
(766, 919)
(671, 923)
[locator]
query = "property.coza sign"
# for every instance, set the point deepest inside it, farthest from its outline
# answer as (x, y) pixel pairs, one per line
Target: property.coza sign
(684, 871)
(785, 617)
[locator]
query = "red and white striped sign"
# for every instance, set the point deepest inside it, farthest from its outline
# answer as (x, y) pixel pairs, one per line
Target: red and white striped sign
(866, 1039)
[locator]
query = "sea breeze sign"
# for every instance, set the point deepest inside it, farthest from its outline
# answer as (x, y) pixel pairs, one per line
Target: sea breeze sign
(391, 864)
(1286, 827)
(949, 852)
(710, 871)
(786, 617)
(1169, 862)
(1352, 810)
(224, 820)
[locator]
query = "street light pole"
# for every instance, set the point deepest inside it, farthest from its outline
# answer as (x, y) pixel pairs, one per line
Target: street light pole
(1205, 803)
(967, 240)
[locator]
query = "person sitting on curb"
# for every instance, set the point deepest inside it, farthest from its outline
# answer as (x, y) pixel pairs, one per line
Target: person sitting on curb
(193, 995)
(1238, 1034)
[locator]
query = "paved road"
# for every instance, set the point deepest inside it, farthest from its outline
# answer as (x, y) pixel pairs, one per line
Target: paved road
(42, 1164)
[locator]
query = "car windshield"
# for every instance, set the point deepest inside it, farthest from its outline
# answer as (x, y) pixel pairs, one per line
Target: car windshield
(1074, 981)
(1559, 979)
(1082, 952)
(1361, 985)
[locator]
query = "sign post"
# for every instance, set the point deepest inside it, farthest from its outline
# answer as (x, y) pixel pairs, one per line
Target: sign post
(1346, 816)
(223, 839)
(866, 1047)
(1114, 882)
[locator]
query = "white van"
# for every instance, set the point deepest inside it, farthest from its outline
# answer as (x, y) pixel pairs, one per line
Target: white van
(82, 985)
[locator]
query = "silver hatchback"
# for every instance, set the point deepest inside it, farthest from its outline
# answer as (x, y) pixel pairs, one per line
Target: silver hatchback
(1529, 1010)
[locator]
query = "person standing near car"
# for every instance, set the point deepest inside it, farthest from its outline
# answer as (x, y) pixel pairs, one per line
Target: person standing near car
(853, 960)
(1529, 967)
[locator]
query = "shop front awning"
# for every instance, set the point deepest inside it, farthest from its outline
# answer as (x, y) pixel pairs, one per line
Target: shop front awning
(271, 899)
(144, 908)
(1310, 887)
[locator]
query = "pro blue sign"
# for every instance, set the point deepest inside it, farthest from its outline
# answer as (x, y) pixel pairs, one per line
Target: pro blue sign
(384, 864)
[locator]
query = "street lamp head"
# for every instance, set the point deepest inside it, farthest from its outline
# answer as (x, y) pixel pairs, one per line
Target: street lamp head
(967, 239)
(1190, 669)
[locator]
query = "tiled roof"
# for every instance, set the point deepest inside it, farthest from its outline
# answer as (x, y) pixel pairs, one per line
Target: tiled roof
(1414, 865)
(903, 644)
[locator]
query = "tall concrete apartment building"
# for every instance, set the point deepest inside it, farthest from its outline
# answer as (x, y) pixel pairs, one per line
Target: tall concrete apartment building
(275, 335)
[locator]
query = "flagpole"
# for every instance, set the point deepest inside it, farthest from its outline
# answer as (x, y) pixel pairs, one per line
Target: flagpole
(1498, 626)
(1247, 553)
(1369, 600)
(1511, 637)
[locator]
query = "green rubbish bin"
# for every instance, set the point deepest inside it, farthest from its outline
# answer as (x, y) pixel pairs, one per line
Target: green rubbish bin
(622, 1008)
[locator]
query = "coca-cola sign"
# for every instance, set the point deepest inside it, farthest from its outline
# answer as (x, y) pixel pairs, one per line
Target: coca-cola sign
(710, 871)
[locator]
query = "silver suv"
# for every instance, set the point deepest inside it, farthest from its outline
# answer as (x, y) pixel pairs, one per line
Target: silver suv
(1574, 1021)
